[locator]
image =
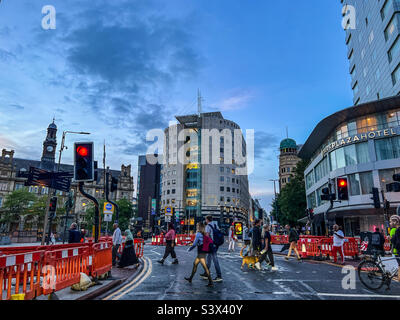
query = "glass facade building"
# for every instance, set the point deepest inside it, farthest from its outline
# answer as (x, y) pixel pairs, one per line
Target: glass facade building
(361, 143)
(373, 42)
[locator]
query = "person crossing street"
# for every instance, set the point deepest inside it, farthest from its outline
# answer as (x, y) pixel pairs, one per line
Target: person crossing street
(293, 238)
(267, 251)
(170, 248)
(338, 241)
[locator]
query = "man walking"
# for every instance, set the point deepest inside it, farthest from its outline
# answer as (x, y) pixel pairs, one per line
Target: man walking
(267, 251)
(211, 227)
(256, 240)
(246, 239)
(117, 241)
(338, 241)
(74, 234)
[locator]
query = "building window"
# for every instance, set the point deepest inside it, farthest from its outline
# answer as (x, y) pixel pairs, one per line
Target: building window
(233, 189)
(392, 26)
(388, 148)
(221, 188)
(221, 169)
(311, 203)
(168, 191)
(221, 178)
(228, 189)
(396, 75)
(385, 10)
(173, 191)
(386, 176)
(394, 50)
(221, 199)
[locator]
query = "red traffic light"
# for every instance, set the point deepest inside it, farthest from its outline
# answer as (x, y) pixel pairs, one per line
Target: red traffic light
(342, 182)
(182, 223)
(82, 151)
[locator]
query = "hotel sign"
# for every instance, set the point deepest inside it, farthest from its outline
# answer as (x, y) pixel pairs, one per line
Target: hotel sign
(361, 137)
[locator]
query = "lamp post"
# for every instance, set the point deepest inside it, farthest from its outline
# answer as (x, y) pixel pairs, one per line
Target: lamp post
(276, 205)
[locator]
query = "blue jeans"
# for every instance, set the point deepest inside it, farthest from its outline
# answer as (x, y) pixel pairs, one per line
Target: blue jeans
(213, 257)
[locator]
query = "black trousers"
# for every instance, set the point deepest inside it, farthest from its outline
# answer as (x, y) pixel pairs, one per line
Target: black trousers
(270, 257)
(115, 254)
(169, 249)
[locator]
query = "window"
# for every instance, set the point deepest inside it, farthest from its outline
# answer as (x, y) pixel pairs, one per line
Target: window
(388, 148)
(394, 50)
(354, 181)
(233, 189)
(233, 180)
(366, 182)
(168, 191)
(228, 189)
(173, 181)
(310, 179)
(221, 199)
(221, 188)
(173, 191)
(221, 169)
(386, 8)
(392, 26)
(362, 152)
(396, 75)
(386, 176)
(321, 169)
(221, 179)
(311, 200)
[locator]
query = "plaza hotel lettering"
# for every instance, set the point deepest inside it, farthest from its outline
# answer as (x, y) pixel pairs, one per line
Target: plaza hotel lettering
(361, 137)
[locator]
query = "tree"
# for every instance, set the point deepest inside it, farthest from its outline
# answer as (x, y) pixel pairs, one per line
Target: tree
(17, 205)
(291, 201)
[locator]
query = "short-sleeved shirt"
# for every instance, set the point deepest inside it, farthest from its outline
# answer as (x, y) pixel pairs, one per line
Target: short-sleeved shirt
(267, 236)
(338, 242)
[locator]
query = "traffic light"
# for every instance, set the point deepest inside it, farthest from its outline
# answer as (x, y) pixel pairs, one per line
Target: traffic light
(52, 207)
(182, 222)
(326, 194)
(343, 189)
(83, 161)
(394, 186)
(114, 184)
(311, 213)
(375, 197)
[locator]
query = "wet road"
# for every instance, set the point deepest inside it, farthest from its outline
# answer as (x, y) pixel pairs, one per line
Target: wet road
(308, 280)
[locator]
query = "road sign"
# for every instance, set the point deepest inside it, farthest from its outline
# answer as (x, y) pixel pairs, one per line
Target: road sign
(168, 211)
(108, 217)
(108, 208)
(167, 218)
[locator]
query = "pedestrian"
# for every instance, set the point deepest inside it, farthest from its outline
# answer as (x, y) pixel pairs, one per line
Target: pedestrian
(378, 242)
(394, 224)
(267, 251)
(246, 240)
(83, 233)
(293, 238)
(212, 231)
(198, 243)
(170, 247)
(128, 256)
(256, 240)
(52, 238)
(117, 241)
(395, 239)
(232, 239)
(338, 241)
(74, 234)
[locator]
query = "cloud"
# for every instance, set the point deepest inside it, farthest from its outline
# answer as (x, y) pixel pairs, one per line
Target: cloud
(265, 143)
(235, 102)
(17, 106)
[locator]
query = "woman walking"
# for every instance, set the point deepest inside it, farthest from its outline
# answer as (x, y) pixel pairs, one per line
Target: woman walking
(128, 256)
(293, 238)
(170, 248)
(201, 254)
(232, 239)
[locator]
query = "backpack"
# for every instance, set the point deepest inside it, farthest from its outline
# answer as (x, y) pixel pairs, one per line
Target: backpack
(376, 239)
(218, 236)
(207, 244)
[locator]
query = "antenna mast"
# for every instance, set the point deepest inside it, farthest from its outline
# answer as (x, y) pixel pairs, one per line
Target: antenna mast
(199, 102)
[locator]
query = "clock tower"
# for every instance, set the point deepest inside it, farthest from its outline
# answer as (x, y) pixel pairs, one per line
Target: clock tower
(50, 144)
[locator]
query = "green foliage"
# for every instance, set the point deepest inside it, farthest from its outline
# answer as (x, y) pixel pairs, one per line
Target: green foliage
(125, 214)
(17, 204)
(291, 202)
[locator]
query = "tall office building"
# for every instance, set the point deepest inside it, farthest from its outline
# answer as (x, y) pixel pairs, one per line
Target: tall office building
(373, 48)
(195, 187)
(148, 191)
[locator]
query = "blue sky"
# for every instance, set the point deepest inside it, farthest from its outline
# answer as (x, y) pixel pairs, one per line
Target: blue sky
(119, 68)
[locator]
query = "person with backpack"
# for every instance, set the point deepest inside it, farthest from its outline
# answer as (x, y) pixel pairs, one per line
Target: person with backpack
(202, 242)
(378, 242)
(293, 238)
(394, 225)
(217, 237)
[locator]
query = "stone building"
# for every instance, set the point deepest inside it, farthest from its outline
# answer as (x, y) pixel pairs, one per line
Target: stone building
(12, 177)
(288, 160)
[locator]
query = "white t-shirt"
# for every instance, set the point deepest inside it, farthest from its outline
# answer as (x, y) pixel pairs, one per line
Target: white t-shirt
(338, 242)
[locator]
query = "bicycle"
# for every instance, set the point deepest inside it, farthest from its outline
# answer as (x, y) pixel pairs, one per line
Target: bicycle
(373, 274)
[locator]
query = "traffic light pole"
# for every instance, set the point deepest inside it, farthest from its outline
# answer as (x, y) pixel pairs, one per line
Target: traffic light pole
(108, 200)
(96, 211)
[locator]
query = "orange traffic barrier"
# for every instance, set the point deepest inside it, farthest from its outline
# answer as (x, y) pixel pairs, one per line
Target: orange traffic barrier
(100, 260)
(62, 268)
(25, 269)
(350, 248)
(139, 244)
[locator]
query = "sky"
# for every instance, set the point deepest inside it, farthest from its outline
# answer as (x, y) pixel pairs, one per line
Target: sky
(120, 68)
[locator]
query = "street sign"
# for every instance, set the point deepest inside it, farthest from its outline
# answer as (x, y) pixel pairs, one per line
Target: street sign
(108, 208)
(168, 211)
(108, 217)
(55, 180)
(167, 219)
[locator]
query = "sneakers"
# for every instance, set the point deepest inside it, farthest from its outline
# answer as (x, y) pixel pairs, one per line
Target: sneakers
(161, 261)
(258, 266)
(217, 279)
(274, 268)
(287, 258)
(210, 284)
(175, 261)
(204, 275)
